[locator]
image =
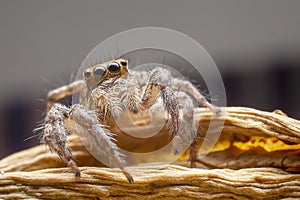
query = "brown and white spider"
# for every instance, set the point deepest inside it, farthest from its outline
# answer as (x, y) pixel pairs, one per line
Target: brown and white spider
(107, 90)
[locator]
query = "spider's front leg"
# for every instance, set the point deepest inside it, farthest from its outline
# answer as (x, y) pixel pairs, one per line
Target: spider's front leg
(187, 131)
(55, 135)
(55, 131)
(100, 139)
(106, 104)
(64, 91)
(159, 83)
(188, 87)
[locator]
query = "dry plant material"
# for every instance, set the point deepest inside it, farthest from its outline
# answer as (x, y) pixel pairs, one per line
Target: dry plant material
(253, 138)
(151, 182)
(250, 139)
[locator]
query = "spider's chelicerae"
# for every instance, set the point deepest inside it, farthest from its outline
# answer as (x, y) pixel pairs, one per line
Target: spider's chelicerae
(107, 90)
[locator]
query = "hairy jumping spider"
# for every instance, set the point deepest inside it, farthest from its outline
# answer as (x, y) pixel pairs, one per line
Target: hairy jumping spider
(107, 89)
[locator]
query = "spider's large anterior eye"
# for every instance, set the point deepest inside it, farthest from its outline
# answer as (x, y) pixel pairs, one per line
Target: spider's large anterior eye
(87, 74)
(114, 67)
(99, 71)
(123, 63)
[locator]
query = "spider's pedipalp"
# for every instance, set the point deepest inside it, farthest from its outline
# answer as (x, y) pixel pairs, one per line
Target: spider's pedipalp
(107, 103)
(129, 94)
(132, 96)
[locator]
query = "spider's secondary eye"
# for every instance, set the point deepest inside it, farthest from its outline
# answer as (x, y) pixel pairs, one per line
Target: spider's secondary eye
(123, 63)
(87, 74)
(99, 71)
(114, 67)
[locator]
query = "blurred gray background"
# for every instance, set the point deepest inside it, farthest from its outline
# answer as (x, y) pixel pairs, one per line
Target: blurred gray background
(255, 44)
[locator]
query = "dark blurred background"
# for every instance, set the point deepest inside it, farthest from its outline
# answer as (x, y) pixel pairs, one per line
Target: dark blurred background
(255, 44)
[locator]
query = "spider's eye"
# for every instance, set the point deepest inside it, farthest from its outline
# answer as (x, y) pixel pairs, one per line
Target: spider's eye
(87, 74)
(123, 63)
(114, 67)
(99, 71)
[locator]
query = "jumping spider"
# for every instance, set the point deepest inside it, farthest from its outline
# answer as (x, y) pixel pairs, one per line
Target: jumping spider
(107, 89)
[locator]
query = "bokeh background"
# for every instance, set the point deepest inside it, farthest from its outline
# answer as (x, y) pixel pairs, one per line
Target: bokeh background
(255, 44)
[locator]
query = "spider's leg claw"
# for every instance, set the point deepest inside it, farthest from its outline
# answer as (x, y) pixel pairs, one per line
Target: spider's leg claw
(128, 176)
(130, 179)
(177, 142)
(72, 163)
(77, 174)
(175, 151)
(218, 110)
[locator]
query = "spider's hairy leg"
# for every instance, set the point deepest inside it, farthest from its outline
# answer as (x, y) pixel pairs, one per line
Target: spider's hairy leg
(187, 126)
(64, 91)
(199, 138)
(194, 152)
(99, 137)
(188, 87)
(171, 105)
(159, 83)
(55, 135)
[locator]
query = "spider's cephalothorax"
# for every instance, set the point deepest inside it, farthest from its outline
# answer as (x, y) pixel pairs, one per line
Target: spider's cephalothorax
(107, 89)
